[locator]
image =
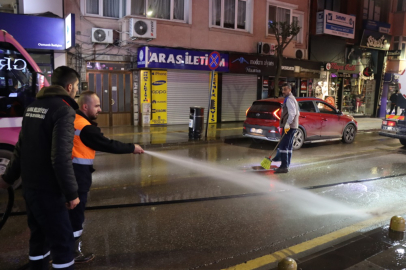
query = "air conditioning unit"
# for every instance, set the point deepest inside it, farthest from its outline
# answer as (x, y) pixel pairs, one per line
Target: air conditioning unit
(266, 48)
(100, 35)
(140, 28)
(301, 54)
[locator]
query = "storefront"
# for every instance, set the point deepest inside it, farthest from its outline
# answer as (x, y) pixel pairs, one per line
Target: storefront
(173, 80)
(375, 43)
(339, 86)
(44, 38)
(301, 75)
(246, 82)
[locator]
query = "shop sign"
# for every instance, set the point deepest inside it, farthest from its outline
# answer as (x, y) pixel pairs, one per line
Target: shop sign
(214, 90)
(165, 58)
(377, 26)
(70, 31)
(159, 97)
(35, 32)
(375, 40)
(367, 72)
(344, 75)
(338, 67)
(395, 53)
(336, 24)
(252, 64)
(145, 86)
(288, 68)
(303, 86)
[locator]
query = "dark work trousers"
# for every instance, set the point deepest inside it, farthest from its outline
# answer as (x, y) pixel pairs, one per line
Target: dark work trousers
(391, 108)
(77, 215)
(83, 174)
(285, 148)
(51, 231)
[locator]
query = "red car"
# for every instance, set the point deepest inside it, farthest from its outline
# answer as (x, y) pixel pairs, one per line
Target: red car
(318, 122)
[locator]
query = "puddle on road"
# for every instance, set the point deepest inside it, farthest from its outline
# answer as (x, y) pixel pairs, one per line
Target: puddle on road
(298, 198)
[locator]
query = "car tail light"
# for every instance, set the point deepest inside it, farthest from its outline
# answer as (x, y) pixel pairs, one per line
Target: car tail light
(391, 124)
(246, 112)
(384, 122)
(275, 113)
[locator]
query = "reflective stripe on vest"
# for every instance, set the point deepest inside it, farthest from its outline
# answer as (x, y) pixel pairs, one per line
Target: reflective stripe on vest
(81, 154)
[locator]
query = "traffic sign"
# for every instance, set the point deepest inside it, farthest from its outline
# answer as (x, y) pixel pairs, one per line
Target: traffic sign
(214, 60)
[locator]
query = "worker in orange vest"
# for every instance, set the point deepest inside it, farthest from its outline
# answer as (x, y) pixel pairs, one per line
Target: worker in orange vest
(87, 140)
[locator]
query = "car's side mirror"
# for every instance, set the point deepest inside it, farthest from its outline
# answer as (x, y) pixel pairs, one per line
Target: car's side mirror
(339, 112)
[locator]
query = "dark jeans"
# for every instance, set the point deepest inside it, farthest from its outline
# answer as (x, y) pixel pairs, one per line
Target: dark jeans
(51, 231)
(285, 148)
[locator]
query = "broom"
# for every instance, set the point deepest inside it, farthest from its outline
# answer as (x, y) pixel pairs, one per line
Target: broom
(266, 162)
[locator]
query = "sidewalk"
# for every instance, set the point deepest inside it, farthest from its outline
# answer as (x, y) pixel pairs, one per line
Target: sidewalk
(378, 249)
(158, 136)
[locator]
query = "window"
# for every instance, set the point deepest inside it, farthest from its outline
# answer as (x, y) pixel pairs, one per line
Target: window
(399, 43)
(377, 10)
(106, 8)
(299, 19)
(278, 14)
(306, 106)
(325, 108)
(401, 5)
(231, 14)
(333, 5)
(160, 9)
(18, 82)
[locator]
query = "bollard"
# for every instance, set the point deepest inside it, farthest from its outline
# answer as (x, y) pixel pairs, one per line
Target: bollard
(287, 264)
(397, 224)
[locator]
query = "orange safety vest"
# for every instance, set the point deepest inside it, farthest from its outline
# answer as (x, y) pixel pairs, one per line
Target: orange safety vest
(81, 154)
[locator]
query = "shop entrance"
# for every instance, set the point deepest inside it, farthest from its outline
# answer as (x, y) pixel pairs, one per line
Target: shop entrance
(115, 92)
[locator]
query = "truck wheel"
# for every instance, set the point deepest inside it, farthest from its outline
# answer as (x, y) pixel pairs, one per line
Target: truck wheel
(403, 141)
(349, 134)
(5, 157)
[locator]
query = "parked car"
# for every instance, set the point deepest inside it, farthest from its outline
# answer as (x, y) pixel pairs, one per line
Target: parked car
(318, 122)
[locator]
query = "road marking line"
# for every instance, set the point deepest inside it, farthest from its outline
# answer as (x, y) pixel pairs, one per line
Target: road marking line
(308, 245)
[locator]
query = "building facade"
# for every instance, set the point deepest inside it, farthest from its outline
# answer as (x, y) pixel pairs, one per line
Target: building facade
(147, 60)
(358, 34)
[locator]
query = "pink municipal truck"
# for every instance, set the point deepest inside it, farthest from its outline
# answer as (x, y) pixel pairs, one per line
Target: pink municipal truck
(20, 80)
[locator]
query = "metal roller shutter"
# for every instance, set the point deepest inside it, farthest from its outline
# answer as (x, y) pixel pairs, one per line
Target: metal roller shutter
(185, 90)
(238, 93)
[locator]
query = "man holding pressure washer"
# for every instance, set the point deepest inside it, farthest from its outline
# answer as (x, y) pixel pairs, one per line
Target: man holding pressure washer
(289, 123)
(89, 139)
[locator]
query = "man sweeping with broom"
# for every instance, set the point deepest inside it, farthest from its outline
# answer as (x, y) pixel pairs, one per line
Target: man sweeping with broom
(290, 123)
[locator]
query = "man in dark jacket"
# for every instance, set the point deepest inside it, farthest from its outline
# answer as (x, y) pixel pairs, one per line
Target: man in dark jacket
(43, 159)
(394, 100)
(89, 139)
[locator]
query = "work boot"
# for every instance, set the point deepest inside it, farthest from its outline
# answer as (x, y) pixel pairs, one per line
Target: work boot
(282, 170)
(79, 256)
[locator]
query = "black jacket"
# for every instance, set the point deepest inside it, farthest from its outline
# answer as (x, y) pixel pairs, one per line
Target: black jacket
(394, 98)
(92, 137)
(43, 153)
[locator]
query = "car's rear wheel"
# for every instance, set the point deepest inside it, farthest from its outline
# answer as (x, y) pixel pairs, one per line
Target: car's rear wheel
(349, 134)
(5, 157)
(403, 142)
(298, 139)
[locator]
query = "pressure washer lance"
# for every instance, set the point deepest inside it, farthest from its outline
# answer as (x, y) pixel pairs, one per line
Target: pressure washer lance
(267, 161)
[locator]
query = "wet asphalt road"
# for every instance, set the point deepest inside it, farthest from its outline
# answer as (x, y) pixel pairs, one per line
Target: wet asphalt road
(147, 213)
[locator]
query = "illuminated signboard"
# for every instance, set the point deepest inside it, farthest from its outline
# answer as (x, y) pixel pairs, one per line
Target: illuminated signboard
(70, 31)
